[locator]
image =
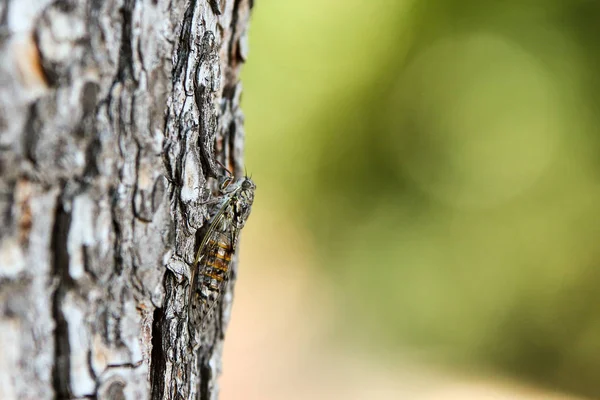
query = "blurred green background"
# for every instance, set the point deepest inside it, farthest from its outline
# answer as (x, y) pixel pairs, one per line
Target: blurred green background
(442, 157)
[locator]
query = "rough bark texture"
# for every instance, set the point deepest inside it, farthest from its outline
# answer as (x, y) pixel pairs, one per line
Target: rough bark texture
(113, 115)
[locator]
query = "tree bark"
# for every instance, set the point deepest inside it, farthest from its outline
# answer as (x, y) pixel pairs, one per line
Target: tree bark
(113, 117)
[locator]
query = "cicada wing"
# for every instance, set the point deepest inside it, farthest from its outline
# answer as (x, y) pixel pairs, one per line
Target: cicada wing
(212, 272)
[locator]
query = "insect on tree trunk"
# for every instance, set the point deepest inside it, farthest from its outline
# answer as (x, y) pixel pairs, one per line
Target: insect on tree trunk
(113, 117)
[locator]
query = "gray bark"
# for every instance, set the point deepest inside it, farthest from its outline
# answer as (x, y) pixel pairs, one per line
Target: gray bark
(113, 116)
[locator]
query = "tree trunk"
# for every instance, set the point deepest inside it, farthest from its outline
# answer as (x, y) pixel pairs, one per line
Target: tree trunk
(113, 115)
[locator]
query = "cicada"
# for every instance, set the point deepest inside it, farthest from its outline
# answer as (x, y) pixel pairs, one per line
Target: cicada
(211, 269)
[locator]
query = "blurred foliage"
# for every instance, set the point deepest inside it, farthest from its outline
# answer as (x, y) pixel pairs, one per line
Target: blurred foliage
(444, 155)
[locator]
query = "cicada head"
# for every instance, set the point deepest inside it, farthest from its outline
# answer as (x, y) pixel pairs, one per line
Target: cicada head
(242, 200)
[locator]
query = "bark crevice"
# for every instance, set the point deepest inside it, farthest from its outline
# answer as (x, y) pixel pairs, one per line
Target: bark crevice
(125, 68)
(157, 360)
(60, 266)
